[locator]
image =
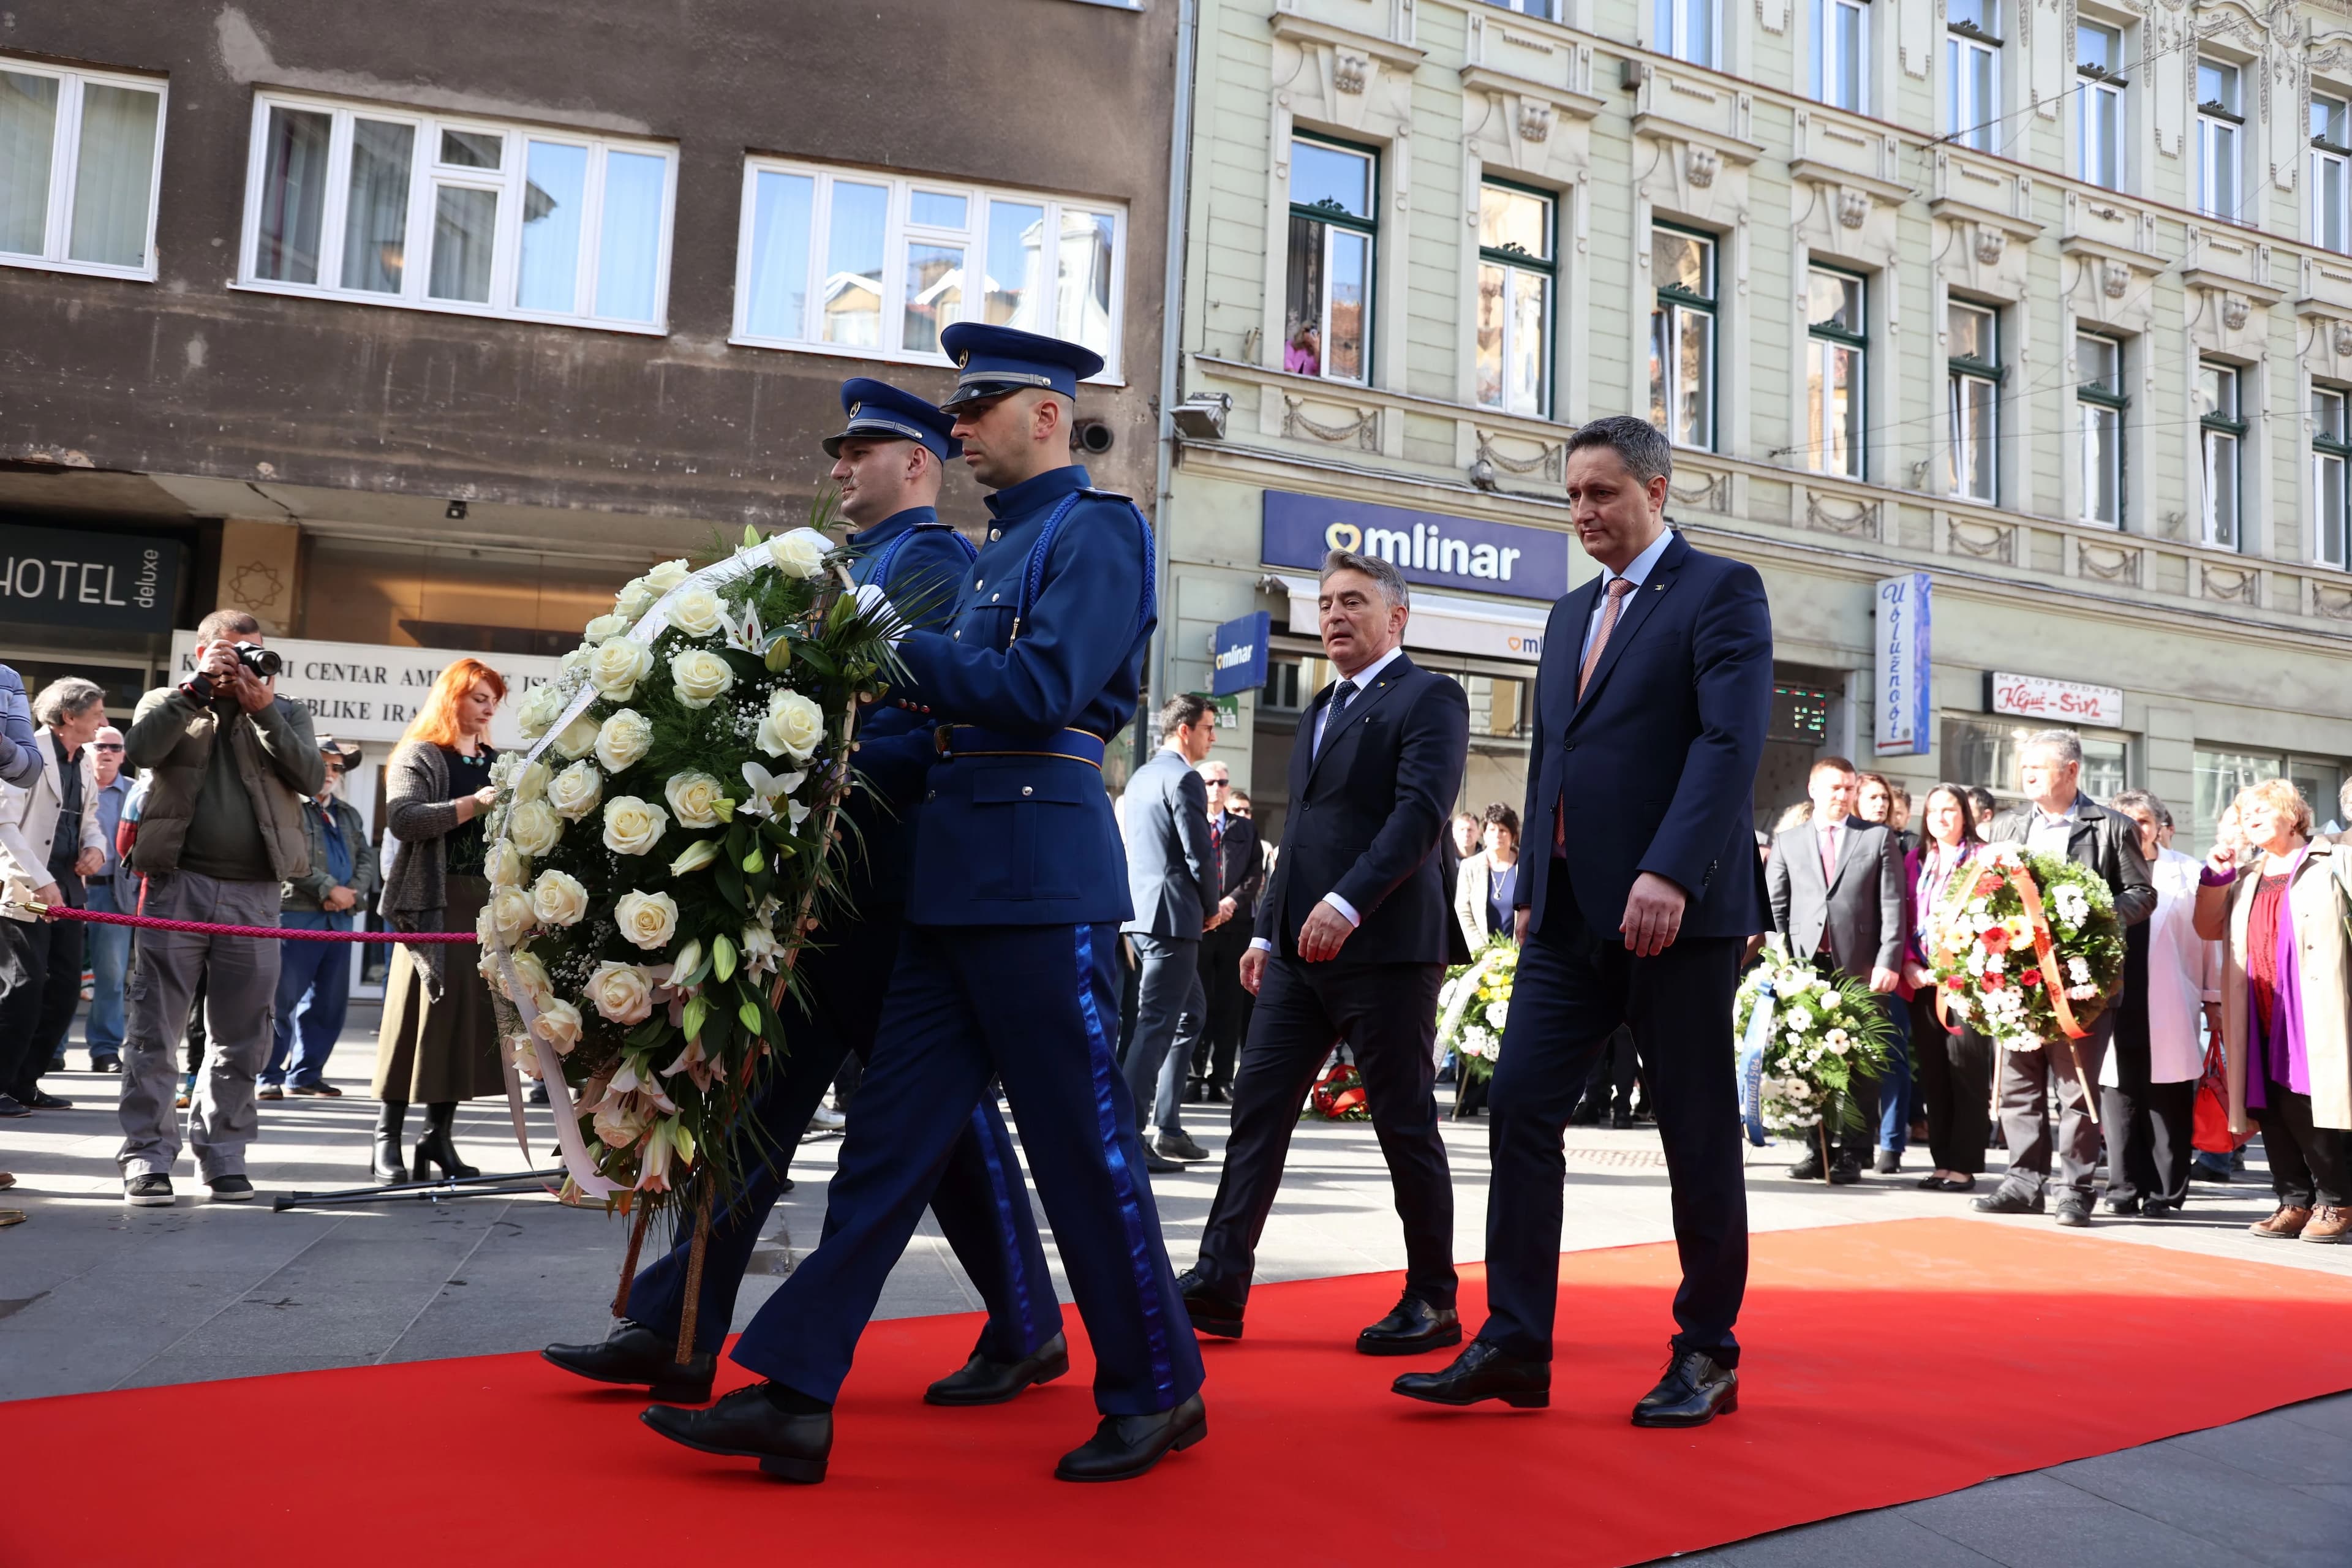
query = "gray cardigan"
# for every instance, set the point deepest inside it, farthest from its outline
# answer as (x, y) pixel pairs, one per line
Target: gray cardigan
(420, 813)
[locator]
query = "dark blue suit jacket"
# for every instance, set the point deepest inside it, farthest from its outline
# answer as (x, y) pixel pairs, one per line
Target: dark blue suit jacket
(1030, 841)
(1657, 765)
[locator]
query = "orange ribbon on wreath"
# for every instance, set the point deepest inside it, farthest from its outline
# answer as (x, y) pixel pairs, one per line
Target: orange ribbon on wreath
(2045, 956)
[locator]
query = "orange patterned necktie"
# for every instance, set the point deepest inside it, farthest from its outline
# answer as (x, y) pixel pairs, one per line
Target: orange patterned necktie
(1618, 588)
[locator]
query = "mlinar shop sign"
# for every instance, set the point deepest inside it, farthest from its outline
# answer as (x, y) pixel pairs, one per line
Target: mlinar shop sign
(1469, 554)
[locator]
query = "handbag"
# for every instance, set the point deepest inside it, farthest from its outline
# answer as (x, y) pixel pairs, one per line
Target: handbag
(2210, 1132)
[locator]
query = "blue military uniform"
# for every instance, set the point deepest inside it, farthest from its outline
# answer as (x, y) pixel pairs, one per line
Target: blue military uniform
(980, 1203)
(1009, 966)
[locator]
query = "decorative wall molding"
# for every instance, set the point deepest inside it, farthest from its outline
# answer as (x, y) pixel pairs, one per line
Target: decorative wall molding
(1846, 518)
(1983, 541)
(1362, 431)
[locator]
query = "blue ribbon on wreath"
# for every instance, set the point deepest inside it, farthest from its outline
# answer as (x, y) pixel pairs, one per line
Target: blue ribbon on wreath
(1751, 1064)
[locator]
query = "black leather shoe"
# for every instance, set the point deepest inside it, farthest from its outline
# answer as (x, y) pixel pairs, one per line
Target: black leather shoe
(2006, 1199)
(2158, 1208)
(1695, 1390)
(1809, 1169)
(1124, 1447)
(986, 1381)
(1845, 1171)
(2074, 1211)
(1160, 1165)
(1483, 1371)
(633, 1353)
(106, 1064)
(1889, 1162)
(748, 1425)
(1215, 1095)
(1620, 1121)
(1178, 1146)
(1210, 1312)
(44, 1101)
(2124, 1205)
(1413, 1327)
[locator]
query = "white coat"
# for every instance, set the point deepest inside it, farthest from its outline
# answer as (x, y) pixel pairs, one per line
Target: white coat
(2184, 972)
(29, 821)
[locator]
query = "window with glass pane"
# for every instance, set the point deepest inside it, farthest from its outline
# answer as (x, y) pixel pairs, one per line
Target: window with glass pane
(1685, 29)
(1842, 53)
(1972, 69)
(883, 266)
(2221, 773)
(1682, 336)
(2219, 122)
(2223, 427)
(2099, 408)
(1516, 274)
(2331, 454)
(2099, 87)
(1546, 9)
(1835, 360)
(1327, 324)
(497, 220)
(2331, 172)
(1974, 400)
(1984, 752)
(78, 157)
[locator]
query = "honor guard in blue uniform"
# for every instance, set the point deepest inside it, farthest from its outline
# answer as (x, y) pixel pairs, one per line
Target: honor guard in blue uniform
(888, 465)
(1008, 967)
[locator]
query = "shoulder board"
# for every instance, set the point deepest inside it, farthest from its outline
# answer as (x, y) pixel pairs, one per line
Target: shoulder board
(1104, 495)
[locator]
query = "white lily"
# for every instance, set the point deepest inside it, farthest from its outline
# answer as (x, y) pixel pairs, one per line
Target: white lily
(768, 788)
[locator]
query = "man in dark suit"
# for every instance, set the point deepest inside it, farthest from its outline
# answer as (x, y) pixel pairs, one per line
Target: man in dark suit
(1172, 876)
(1642, 888)
(1240, 873)
(1352, 943)
(2059, 819)
(1836, 886)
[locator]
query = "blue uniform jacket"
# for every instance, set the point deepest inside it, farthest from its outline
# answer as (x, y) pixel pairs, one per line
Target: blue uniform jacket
(924, 560)
(1030, 839)
(1656, 763)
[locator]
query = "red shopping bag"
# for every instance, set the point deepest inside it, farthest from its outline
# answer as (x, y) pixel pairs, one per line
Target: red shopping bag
(2212, 1132)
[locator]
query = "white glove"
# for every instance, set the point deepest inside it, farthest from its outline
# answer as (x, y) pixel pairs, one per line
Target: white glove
(876, 606)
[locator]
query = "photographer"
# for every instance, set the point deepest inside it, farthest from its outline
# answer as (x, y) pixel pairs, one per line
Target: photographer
(219, 832)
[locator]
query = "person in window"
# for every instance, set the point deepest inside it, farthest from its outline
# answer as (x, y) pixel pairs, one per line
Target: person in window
(1955, 1065)
(439, 1041)
(2278, 908)
(1304, 354)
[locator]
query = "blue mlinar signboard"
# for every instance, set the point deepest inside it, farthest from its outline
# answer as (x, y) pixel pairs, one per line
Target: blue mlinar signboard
(1468, 554)
(1240, 655)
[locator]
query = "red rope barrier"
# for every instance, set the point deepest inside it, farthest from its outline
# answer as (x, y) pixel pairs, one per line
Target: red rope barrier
(284, 933)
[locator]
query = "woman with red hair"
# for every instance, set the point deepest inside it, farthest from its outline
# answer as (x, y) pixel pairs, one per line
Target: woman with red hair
(440, 1042)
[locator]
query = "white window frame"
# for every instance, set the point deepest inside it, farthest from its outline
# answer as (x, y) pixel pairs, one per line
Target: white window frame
(2093, 86)
(2331, 452)
(2331, 167)
(427, 174)
(2220, 146)
(1541, 271)
(1826, 62)
(1961, 376)
(1969, 119)
(2216, 431)
(1672, 314)
(898, 228)
(2090, 400)
(1670, 21)
(65, 153)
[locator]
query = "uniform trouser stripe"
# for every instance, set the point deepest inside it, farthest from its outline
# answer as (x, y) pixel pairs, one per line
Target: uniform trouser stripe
(1122, 1176)
(1000, 1194)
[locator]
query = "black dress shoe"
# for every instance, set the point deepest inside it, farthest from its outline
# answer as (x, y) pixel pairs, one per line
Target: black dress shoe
(1178, 1146)
(1215, 1094)
(986, 1381)
(2123, 1206)
(1483, 1371)
(1845, 1171)
(1160, 1165)
(106, 1064)
(2158, 1208)
(1889, 1162)
(44, 1101)
(633, 1353)
(1808, 1169)
(750, 1424)
(1124, 1447)
(1620, 1121)
(1695, 1390)
(2073, 1210)
(1210, 1312)
(1413, 1327)
(2006, 1199)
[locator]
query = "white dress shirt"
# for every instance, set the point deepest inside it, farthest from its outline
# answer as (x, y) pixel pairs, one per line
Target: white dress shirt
(1363, 679)
(1637, 571)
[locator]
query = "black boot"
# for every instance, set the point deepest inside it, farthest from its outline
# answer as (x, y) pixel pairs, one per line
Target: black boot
(389, 1115)
(436, 1147)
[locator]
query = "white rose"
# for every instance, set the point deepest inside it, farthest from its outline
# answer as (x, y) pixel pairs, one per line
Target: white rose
(697, 612)
(558, 900)
(576, 790)
(617, 666)
(509, 913)
(636, 598)
(503, 864)
(604, 629)
(531, 978)
(576, 740)
(694, 799)
(623, 740)
(575, 661)
(793, 727)
(541, 706)
(558, 1023)
(632, 826)
(623, 993)
(699, 676)
(667, 575)
(530, 781)
(800, 553)
(646, 919)
(533, 827)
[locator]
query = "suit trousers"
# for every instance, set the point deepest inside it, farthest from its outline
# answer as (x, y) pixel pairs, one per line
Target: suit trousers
(1955, 1085)
(1221, 984)
(2148, 1126)
(1387, 1013)
(1037, 1006)
(980, 1203)
(2309, 1165)
(1573, 991)
(2025, 1080)
(1169, 1012)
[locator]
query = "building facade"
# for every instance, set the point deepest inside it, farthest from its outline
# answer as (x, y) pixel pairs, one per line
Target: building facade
(2046, 308)
(422, 338)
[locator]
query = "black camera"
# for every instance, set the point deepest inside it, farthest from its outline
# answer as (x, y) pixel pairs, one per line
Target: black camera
(261, 663)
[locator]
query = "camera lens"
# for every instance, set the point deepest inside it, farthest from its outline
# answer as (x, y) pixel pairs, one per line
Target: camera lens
(264, 662)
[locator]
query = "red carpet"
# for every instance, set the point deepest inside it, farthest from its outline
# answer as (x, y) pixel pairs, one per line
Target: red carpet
(1885, 1363)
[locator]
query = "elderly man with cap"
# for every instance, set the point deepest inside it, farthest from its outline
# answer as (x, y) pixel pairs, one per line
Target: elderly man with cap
(887, 463)
(340, 887)
(1009, 966)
